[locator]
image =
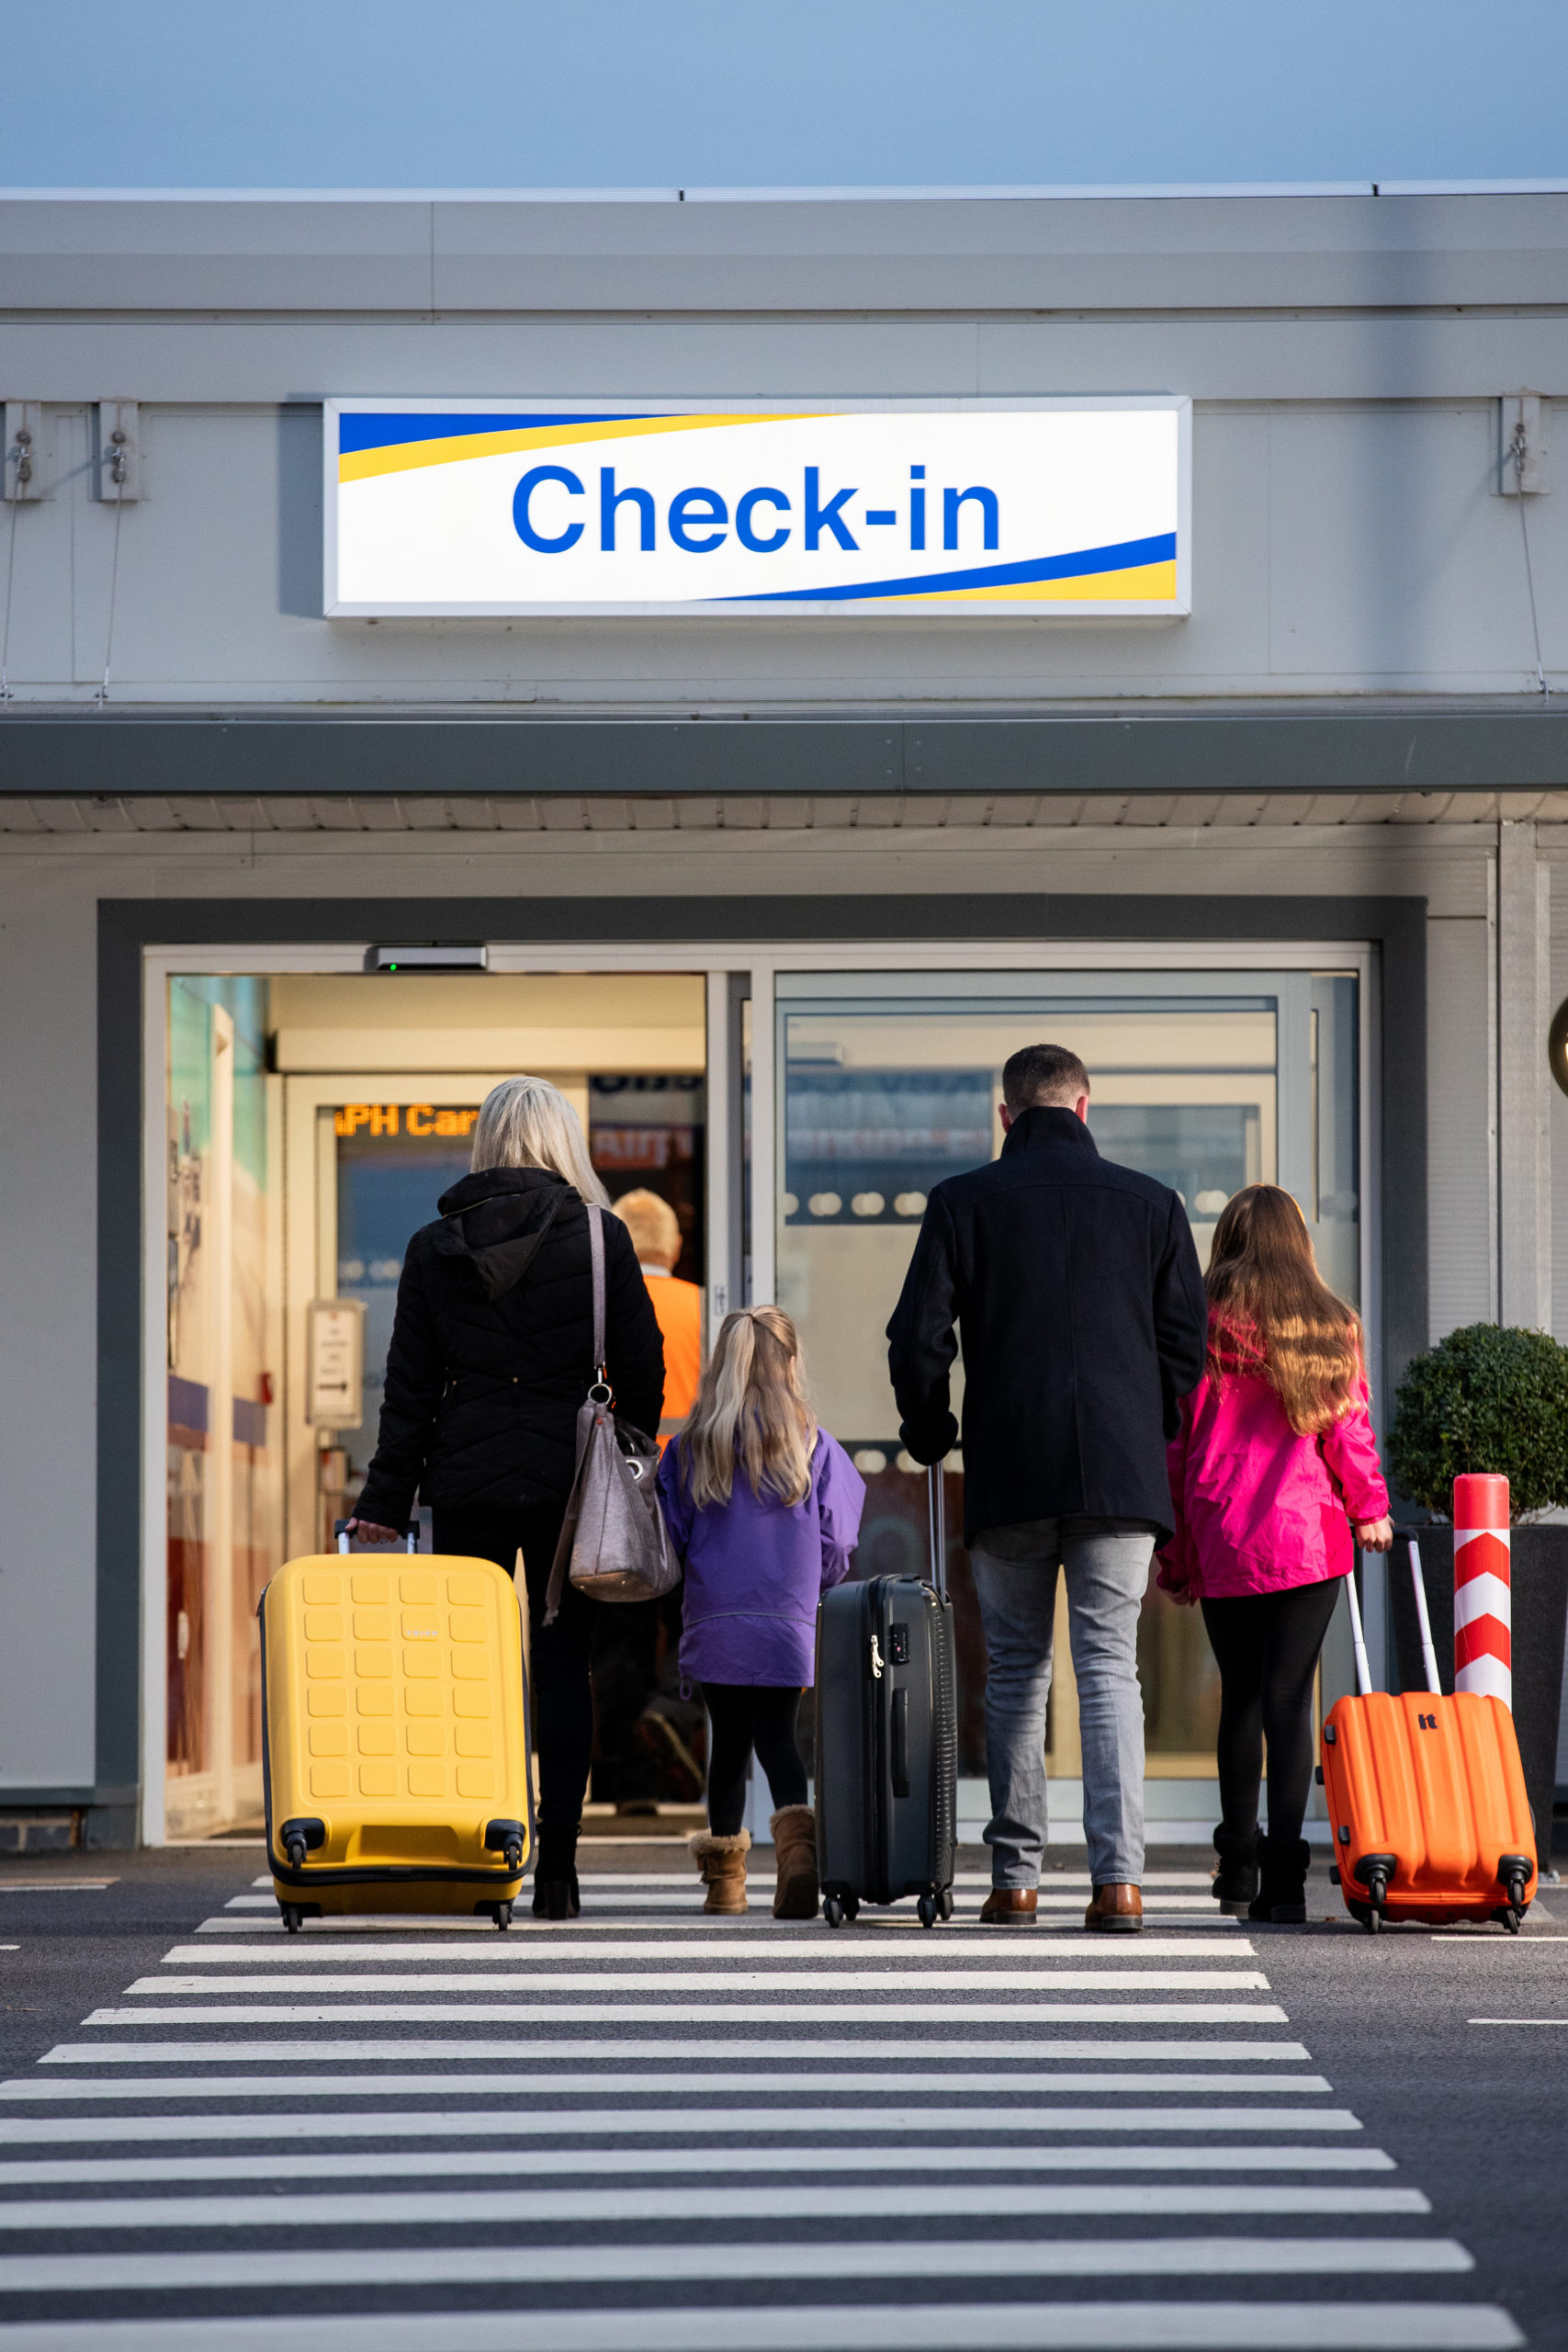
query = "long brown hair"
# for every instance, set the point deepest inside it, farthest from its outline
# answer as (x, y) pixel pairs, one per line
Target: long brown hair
(1272, 1314)
(750, 1408)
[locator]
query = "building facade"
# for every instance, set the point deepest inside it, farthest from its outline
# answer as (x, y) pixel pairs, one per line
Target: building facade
(771, 891)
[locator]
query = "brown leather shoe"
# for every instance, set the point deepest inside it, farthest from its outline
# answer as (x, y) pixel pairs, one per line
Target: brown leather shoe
(1009, 1907)
(1115, 1911)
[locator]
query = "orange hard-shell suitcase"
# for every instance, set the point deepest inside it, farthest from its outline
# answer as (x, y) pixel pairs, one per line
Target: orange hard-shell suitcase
(395, 1747)
(1427, 1796)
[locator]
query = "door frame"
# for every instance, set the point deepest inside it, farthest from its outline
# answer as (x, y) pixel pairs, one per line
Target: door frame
(734, 970)
(1384, 938)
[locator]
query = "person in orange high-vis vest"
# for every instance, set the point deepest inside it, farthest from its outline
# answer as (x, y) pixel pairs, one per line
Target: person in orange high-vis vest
(656, 1237)
(641, 1755)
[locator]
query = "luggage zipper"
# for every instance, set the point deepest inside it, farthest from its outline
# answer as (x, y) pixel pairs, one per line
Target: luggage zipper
(875, 1659)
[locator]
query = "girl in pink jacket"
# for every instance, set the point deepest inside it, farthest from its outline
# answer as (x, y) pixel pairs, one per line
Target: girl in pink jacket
(1274, 1466)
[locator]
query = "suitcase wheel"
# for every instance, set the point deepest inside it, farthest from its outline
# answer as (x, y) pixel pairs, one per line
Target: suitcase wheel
(852, 1906)
(1510, 1918)
(944, 1903)
(293, 1918)
(504, 1916)
(928, 1910)
(833, 1911)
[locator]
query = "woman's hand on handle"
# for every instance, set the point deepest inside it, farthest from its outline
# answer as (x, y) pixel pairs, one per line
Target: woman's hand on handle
(1375, 1534)
(369, 1532)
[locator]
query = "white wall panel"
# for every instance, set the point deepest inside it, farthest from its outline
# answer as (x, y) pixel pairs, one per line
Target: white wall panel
(49, 1317)
(1559, 1117)
(1459, 1202)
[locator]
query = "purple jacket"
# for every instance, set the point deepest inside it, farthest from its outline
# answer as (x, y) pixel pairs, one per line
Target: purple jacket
(756, 1568)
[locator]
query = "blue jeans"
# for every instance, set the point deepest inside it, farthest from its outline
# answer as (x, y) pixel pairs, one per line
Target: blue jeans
(1107, 1568)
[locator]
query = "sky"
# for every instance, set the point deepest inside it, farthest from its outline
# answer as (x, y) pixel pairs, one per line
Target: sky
(812, 92)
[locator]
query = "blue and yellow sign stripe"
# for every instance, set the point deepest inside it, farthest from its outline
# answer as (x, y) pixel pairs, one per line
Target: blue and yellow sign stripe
(369, 444)
(1143, 569)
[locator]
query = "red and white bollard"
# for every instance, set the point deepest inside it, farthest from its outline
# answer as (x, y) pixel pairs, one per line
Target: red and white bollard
(1484, 1613)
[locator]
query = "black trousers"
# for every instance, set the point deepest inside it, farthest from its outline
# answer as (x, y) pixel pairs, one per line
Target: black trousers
(563, 1696)
(748, 1715)
(1267, 1644)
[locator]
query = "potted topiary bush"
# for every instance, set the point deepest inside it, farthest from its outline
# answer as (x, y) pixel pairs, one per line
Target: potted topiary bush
(1491, 1398)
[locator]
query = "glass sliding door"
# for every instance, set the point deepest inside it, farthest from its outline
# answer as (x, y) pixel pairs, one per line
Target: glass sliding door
(887, 1082)
(222, 1327)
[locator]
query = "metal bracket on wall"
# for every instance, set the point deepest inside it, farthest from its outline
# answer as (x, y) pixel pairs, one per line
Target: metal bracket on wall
(120, 468)
(1523, 445)
(29, 467)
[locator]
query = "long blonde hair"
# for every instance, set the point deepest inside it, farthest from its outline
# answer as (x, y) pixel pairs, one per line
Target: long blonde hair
(528, 1123)
(1272, 1314)
(750, 1408)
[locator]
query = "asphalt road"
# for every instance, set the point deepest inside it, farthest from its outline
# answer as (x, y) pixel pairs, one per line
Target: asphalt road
(1472, 2115)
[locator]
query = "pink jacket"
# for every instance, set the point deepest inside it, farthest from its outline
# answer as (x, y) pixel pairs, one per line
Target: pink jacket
(1259, 1508)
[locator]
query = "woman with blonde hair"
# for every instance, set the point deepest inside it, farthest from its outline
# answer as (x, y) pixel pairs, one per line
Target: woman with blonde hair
(1275, 1462)
(763, 1508)
(492, 1356)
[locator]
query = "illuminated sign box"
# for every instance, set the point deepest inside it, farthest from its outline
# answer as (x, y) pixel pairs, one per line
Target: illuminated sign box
(1044, 509)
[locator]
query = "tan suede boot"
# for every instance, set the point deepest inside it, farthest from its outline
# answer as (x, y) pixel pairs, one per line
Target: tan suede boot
(722, 1862)
(795, 1843)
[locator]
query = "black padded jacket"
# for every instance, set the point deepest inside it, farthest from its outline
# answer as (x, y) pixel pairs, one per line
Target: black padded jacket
(492, 1349)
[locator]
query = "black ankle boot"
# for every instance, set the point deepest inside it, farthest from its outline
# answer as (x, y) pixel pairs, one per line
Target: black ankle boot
(1281, 1897)
(1235, 1881)
(556, 1898)
(555, 1878)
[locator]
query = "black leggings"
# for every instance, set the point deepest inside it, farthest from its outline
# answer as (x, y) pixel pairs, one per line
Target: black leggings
(563, 1697)
(1268, 1644)
(748, 1715)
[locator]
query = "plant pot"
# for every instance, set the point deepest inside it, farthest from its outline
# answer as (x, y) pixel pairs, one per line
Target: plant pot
(1540, 1619)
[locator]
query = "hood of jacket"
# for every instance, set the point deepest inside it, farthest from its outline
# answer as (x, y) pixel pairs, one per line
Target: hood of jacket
(496, 1219)
(1046, 1124)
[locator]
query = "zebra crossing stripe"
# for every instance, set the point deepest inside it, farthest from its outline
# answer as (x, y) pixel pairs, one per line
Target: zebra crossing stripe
(1038, 1955)
(688, 2086)
(1256, 2325)
(466, 2209)
(428, 2163)
(673, 2012)
(705, 2123)
(799, 2051)
(713, 1980)
(1188, 2258)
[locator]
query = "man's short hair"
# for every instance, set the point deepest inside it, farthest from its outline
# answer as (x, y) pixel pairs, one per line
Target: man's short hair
(1041, 1074)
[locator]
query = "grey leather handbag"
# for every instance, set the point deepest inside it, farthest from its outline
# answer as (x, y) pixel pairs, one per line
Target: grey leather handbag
(613, 1543)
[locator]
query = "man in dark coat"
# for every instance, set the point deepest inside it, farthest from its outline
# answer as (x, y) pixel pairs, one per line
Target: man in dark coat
(1074, 1286)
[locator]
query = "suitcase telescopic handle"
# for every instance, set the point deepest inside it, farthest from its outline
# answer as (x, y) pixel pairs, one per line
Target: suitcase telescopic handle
(936, 1504)
(1418, 1586)
(1429, 1655)
(410, 1535)
(1359, 1639)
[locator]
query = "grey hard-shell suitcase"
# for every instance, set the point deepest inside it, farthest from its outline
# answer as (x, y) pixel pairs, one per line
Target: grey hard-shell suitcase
(887, 1739)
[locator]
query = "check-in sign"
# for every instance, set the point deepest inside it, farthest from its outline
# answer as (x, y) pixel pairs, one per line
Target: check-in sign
(1044, 508)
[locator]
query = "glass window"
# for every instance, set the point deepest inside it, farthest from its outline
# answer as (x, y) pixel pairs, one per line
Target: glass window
(889, 1082)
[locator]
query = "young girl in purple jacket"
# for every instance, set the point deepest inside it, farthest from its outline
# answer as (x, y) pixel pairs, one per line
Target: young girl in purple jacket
(1274, 1464)
(763, 1508)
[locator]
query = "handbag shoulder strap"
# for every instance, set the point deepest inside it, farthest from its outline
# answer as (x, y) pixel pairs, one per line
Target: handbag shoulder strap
(596, 1253)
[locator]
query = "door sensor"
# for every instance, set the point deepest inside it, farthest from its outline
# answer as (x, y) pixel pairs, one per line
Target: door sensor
(428, 958)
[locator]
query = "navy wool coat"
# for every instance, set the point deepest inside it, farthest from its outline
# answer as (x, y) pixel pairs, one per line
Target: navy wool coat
(1074, 1286)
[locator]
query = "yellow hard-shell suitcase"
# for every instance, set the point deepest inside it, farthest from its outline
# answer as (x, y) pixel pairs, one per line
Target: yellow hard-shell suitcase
(395, 1747)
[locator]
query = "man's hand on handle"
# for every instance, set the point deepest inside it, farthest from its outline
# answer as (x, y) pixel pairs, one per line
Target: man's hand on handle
(1375, 1534)
(369, 1532)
